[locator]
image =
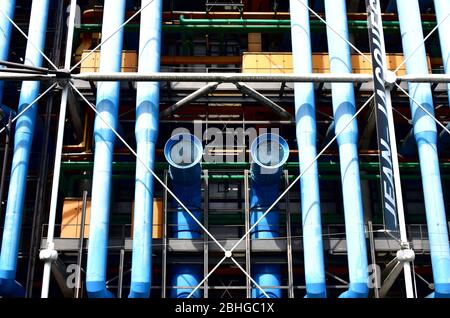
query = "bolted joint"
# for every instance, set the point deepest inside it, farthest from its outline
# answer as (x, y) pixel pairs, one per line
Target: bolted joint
(48, 255)
(406, 255)
(63, 77)
(390, 79)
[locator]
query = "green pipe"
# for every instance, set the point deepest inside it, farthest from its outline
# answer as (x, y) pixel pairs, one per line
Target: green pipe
(184, 21)
(323, 166)
(69, 180)
(245, 26)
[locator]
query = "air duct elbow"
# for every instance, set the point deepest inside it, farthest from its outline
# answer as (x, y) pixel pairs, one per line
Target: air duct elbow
(269, 153)
(184, 152)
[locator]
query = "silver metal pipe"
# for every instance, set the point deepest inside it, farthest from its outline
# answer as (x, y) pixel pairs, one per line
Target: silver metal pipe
(224, 77)
(59, 146)
(189, 99)
(245, 89)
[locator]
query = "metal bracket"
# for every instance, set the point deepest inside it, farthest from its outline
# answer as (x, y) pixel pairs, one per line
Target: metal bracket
(406, 255)
(48, 254)
(63, 77)
(390, 79)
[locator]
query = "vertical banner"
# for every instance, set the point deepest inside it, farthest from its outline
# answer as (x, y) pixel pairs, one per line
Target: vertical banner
(376, 40)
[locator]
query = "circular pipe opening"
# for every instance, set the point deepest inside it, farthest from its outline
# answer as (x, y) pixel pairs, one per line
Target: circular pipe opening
(183, 151)
(269, 151)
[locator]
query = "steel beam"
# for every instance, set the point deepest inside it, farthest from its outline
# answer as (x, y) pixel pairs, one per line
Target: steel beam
(245, 89)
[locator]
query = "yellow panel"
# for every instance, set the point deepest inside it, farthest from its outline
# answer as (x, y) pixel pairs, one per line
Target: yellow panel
(263, 63)
(282, 63)
(92, 62)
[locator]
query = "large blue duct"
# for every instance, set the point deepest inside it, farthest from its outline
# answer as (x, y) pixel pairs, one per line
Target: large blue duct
(184, 152)
(343, 98)
(269, 153)
(7, 7)
(22, 145)
(147, 114)
(107, 106)
(306, 138)
(442, 8)
(425, 133)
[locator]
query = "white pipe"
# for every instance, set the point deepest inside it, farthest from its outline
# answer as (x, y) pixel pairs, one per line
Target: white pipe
(49, 254)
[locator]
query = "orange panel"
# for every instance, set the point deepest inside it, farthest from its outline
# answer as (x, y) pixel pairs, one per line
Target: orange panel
(71, 218)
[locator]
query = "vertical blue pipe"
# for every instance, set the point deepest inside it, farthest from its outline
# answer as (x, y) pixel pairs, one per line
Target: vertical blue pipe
(442, 8)
(269, 152)
(343, 98)
(306, 138)
(184, 152)
(107, 106)
(425, 133)
(7, 7)
(147, 110)
(22, 145)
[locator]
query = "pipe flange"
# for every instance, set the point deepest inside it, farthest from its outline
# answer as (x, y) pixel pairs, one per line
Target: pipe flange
(406, 255)
(48, 254)
(390, 79)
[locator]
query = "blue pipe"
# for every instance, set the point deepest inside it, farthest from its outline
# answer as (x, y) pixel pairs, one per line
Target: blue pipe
(184, 152)
(5, 114)
(442, 9)
(306, 139)
(107, 106)
(425, 133)
(146, 131)
(22, 145)
(269, 153)
(7, 7)
(343, 98)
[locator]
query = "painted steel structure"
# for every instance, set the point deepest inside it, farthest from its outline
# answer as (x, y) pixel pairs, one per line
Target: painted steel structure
(108, 106)
(24, 131)
(147, 113)
(425, 133)
(191, 191)
(305, 117)
(344, 109)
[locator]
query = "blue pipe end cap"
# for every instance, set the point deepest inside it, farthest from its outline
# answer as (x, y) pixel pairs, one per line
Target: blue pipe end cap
(11, 288)
(357, 290)
(442, 290)
(316, 290)
(98, 290)
(270, 151)
(183, 151)
(139, 290)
